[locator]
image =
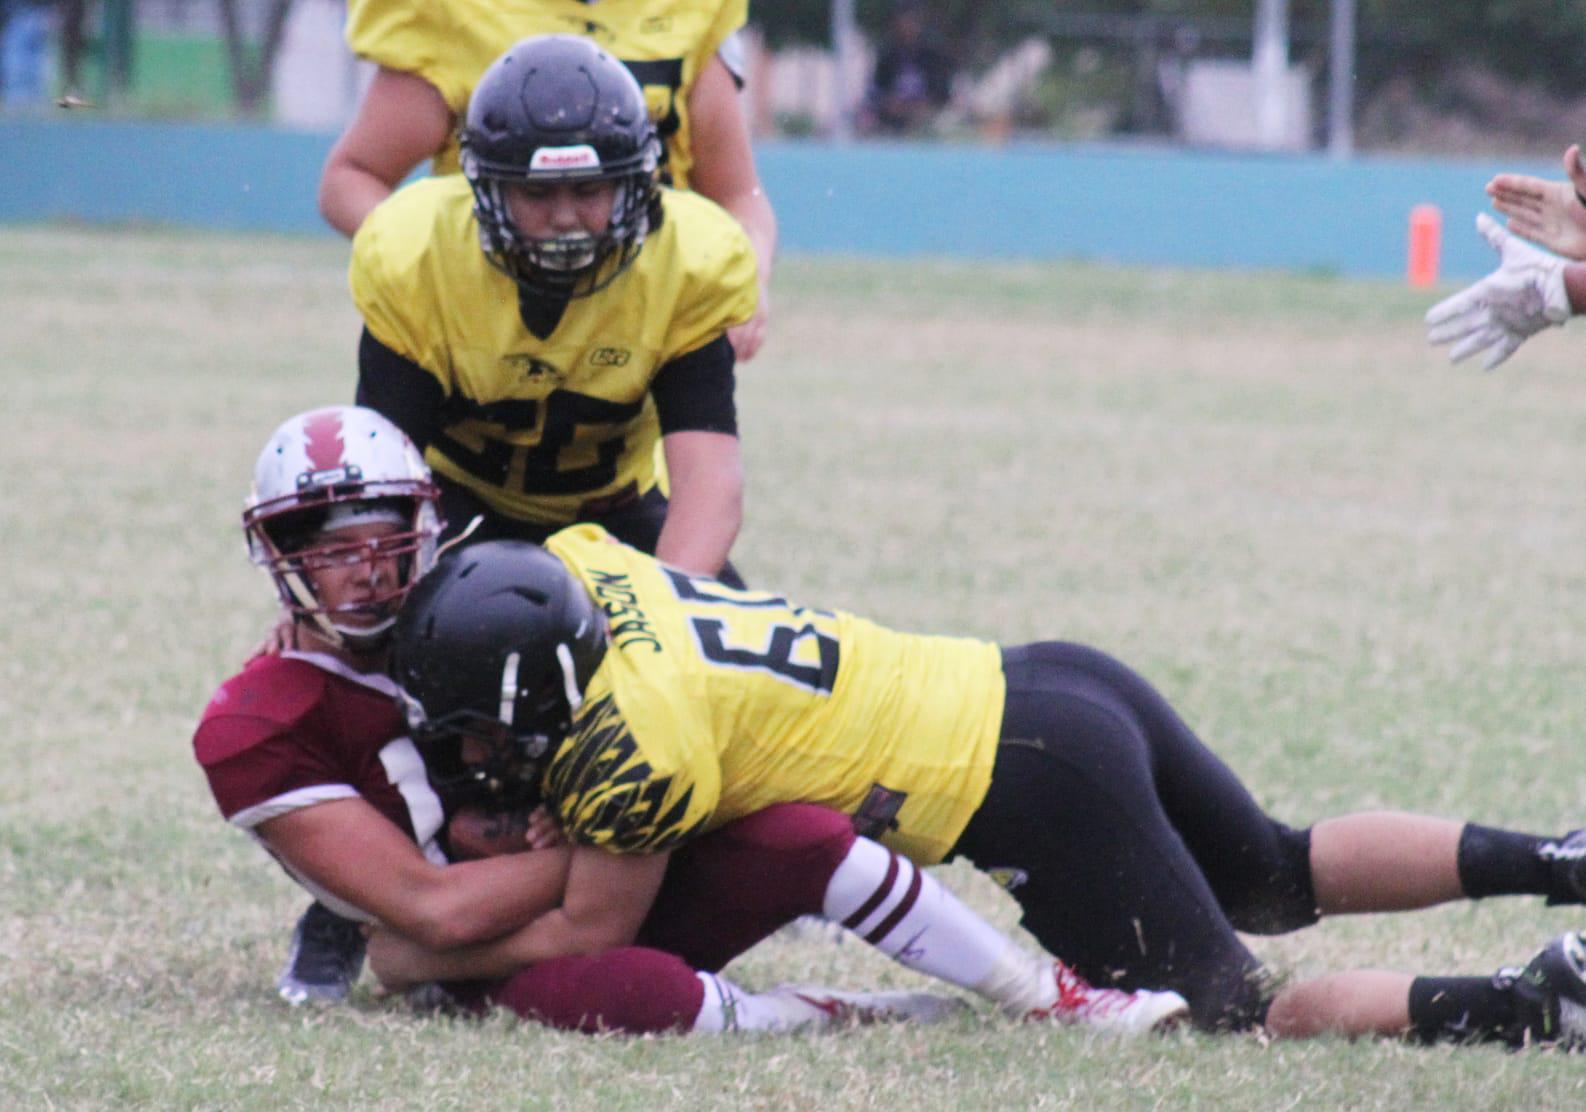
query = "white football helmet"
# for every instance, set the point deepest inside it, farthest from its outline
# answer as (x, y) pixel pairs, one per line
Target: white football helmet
(325, 470)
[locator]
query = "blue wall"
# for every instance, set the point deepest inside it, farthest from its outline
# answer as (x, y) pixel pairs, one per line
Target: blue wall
(1134, 205)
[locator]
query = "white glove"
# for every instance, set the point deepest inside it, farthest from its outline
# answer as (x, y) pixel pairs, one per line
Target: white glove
(1506, 308)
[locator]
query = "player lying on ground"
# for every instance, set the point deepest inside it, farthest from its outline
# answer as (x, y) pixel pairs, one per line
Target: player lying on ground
(431, 53)
(647, 708)
(307, 751)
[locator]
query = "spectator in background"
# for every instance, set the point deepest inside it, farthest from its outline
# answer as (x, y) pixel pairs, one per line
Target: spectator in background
(912, 78)
(24, 52)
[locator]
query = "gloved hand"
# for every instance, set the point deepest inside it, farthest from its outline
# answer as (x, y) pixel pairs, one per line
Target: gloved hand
(1499, 313)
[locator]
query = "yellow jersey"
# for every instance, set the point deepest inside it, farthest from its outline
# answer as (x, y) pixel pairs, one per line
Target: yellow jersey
(712, 703)
(450, 43)
(546, 430)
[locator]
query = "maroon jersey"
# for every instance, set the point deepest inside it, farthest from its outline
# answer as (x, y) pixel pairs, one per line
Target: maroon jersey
(298, 729)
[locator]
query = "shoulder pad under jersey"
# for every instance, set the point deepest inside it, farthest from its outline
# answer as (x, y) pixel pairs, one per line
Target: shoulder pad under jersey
(269, 695)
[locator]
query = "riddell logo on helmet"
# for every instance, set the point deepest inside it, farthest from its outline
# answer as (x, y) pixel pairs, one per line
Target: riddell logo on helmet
(581, 157)
(330, 476)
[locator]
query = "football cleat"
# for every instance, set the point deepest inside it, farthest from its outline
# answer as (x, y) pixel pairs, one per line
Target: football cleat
(1114, 1011)
(833, 1008)
(1566, 859)
(1550, 995)
(325, 959)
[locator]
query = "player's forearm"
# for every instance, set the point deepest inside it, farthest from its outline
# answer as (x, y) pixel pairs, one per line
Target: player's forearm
(702, 520)
(476, 901)
(552, 935)
(752, 209)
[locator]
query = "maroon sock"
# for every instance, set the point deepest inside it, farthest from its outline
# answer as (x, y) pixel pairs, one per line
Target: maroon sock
(636, 991)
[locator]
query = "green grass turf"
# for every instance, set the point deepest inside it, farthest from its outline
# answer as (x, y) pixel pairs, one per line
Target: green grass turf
(1356, 570)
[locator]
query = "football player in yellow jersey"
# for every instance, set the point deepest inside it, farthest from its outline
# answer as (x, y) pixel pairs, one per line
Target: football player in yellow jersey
(685, 53)
(539, 322)
(646, 706)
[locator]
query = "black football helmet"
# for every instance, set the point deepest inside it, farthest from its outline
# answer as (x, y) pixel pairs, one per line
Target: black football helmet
(493, 649)
(558, 108)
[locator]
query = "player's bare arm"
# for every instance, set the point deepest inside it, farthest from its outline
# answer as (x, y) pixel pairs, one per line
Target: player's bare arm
(728, 177)
(353, 851)
(608, 895)
(402, 121)
(1551, 213)
(706, 512)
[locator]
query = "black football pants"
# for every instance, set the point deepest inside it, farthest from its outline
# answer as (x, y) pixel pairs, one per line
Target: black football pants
(1134, 852)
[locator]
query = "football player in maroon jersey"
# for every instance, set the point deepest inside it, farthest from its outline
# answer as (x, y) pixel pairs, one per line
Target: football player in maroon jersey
(306, 749)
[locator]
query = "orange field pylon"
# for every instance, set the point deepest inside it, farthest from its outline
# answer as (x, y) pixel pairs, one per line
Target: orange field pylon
(1426, 242)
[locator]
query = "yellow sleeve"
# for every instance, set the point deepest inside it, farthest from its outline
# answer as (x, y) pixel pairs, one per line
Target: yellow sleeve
(720, 276)
(397, 34)
(606, 790)
(731, 16)
(383, 290)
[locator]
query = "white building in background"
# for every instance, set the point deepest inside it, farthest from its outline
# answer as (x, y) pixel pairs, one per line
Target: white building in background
(317, 81)
(1220, 107)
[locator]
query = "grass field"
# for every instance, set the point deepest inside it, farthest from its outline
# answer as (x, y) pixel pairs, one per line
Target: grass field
(1362, 575)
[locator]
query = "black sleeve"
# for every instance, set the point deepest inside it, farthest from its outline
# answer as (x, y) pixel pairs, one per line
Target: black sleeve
(693, 393)
(400, 390)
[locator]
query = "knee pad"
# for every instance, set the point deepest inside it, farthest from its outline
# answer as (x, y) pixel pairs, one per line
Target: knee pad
(1278, 896)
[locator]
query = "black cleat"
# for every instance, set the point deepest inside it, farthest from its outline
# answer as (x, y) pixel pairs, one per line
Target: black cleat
(325, 960)
(1566, 859)
(1550, 995)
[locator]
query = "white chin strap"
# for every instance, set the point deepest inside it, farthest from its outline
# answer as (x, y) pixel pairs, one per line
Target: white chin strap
(356, 633)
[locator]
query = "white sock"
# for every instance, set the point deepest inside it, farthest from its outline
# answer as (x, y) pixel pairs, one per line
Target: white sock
(895, 906)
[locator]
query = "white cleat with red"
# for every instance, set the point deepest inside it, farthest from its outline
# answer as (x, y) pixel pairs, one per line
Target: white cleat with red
(1112, 1010)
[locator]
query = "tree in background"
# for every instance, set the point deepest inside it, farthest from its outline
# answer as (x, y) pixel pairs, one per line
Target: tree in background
(252, 63)
(1500, 64)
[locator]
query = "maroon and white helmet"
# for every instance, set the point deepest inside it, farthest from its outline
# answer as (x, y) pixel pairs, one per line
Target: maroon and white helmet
(326, 470)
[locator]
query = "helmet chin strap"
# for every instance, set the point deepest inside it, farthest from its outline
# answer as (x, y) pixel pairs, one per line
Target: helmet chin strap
(355, 634)
(353, 638)
(309, 605)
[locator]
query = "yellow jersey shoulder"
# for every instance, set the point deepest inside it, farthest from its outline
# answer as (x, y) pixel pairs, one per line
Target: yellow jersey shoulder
(418, 248)
(704, 259)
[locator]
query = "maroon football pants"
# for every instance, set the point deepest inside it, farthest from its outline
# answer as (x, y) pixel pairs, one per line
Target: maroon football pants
(723, 893)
